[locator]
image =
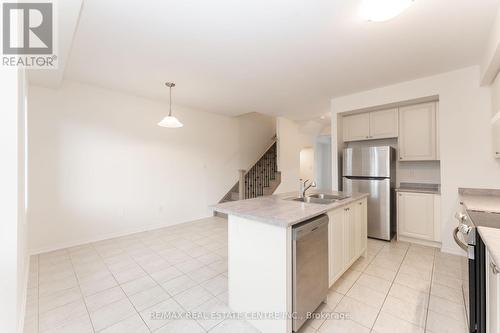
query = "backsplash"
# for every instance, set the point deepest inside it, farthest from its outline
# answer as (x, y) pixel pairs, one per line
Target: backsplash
(419, 172)
(427, 172)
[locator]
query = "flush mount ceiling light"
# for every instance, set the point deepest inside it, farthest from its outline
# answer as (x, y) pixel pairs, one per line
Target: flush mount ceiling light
(170, 121)
(383, 10)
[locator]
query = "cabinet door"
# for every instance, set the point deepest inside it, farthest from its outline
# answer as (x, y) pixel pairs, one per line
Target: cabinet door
(416, 215)
(492, 296)
(417, 132)
(336, 243)
(349, 235)
(360, 232)
(384, 124)
(356, 127)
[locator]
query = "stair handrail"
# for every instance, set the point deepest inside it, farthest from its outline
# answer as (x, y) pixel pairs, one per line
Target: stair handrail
(273, 141)
(243, 172)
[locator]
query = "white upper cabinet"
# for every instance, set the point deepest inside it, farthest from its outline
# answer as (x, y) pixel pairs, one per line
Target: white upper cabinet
(384, 124)
(417, 132)
(356, 127)
(371, 125)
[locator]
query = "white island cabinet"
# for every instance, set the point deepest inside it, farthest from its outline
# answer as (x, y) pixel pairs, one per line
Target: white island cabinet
(260, 252)
(492, 295)
(347, 237)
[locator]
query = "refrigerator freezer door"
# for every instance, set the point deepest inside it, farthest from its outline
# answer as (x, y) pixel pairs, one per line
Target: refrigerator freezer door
(367, 162)
(379, 204)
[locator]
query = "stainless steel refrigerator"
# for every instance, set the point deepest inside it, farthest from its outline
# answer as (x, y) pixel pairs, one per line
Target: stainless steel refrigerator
(372, 170)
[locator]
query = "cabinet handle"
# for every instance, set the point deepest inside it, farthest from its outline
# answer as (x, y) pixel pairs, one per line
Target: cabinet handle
(494, 268)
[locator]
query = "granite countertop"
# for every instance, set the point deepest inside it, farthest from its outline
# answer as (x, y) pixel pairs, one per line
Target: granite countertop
(480, 199)
(275, 210)
(419, 188)
(491, 239)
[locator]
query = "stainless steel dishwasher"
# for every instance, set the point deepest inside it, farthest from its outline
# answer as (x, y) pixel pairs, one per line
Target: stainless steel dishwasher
(309, 267)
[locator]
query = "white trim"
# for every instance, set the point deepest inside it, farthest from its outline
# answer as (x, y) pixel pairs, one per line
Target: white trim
(419, 241)
(24, 283)
(455, 251)
(82, 241)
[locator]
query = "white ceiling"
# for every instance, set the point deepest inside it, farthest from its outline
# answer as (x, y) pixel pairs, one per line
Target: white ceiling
(280, 57)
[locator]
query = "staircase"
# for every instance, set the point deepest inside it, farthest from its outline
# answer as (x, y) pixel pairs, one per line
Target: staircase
(261, 179)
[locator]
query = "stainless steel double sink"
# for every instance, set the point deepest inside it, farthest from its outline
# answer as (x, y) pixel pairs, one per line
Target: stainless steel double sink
(320, 198)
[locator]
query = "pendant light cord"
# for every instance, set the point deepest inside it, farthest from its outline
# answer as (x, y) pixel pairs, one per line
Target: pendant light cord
(170, 102)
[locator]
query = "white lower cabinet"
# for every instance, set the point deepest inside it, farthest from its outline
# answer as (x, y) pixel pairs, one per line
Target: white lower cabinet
(347, 237)
(335, 243)
(418, 217)
(492, 296)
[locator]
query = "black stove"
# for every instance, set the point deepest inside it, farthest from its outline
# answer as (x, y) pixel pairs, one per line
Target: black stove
(474, 287)
(484, 219)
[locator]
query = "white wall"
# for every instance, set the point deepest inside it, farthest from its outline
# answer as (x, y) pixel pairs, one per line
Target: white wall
(307, 163)
(13, 255)
(100, 166)
(495, 96)
(289, 146)
(293, 136)
(465, 133)
(323, 162)
(255, 135)
(491, 60)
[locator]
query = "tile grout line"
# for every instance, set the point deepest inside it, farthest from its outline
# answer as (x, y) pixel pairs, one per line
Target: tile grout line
(118, 284)
(120, 245)
(430, 290)
(388, 291)
(160, 285)
(343, 295)
(134, 260)
(79, 288)
(183, 274)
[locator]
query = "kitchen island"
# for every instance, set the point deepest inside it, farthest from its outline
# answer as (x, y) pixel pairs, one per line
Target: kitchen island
(260, 251)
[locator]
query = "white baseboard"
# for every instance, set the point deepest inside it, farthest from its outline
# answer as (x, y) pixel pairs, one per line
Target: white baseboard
(453, 250)
(82, 241)
(419, 241)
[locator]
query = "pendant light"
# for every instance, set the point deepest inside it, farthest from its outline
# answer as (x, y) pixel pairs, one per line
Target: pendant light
(170, 121)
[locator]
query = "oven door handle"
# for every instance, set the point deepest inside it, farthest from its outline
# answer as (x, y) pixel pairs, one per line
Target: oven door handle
(464, 246)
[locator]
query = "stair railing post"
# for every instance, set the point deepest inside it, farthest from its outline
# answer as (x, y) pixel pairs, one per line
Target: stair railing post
(241, 189)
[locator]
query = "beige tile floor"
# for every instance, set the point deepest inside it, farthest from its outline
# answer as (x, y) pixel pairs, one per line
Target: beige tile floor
(117, 284)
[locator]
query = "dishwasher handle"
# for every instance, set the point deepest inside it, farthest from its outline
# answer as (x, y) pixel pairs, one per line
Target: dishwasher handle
(307, 227)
